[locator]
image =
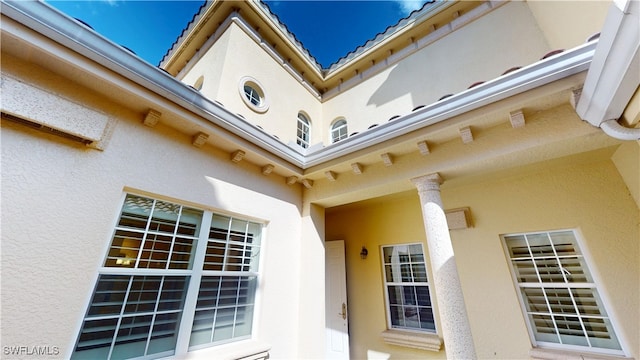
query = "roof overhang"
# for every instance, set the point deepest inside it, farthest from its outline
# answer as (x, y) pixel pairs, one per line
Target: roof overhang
(83, 41)
(614, 75)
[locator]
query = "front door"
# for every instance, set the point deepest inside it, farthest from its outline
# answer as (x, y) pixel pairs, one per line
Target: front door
(337, 317)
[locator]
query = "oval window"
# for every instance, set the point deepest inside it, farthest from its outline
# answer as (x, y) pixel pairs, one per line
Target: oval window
(253, 95)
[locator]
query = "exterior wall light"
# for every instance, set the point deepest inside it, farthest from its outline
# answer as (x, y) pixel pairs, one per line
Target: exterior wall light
(363, 253)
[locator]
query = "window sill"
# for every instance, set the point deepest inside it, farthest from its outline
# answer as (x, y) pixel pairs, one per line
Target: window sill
(431, 342)
(240, 350)
(553, 354)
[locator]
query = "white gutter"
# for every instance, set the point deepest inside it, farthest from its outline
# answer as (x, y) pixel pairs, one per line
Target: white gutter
(530, 77)
(57, 26)
(614, 75)
(71, 34)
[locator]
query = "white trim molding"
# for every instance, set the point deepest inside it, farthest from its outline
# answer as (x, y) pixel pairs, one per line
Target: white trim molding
(614, 75)
(554, 354)
(263, 104)
(424, 341)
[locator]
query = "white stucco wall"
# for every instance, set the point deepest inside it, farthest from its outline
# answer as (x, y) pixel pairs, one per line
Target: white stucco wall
(60, 201)
(590, 197)
(241, 57)
(566, 23)
(209, 65)
(479, 51)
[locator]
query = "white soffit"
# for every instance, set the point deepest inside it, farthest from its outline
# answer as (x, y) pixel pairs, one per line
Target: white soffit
(71, 34)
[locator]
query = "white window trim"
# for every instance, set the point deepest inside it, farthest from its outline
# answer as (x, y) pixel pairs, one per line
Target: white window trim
(307, 125)
(249, 347)
(335, 128)
(405, 331)
(545, 350)
(199, 82)
(538, 353)
(412, 339)
(255, 84)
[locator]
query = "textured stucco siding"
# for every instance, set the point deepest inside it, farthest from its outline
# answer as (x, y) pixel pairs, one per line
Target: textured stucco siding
(590, 197)
(479, 51)
(60, 201)
(244, 57)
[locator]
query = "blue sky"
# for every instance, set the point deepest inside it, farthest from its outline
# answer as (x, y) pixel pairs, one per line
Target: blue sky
(328, 29)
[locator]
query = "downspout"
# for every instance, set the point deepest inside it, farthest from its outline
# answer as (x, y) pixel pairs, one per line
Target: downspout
(614, 75)
(615, 130)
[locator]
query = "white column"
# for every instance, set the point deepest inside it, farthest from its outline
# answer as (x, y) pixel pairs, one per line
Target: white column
(456, 331)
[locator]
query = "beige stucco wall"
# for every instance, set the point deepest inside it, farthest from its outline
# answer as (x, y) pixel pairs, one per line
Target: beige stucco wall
(589, 197)
(241, 56)
(389, 222)
(566, 24)
(479, 51)
(60, 201)
(627, 161)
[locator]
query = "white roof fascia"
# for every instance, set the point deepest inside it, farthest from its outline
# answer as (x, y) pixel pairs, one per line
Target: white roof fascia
(414, 19)
(71, 34)
(284, 33)
(615, 73)
(538, 74)
(62, 29)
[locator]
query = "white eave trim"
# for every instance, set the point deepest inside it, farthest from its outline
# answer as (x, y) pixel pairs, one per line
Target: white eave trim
(50, 23)
(57, 26)
(538, 74)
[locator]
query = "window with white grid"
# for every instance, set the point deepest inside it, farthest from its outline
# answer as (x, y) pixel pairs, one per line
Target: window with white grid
(339, 130)
(407, 288)
(252, 95)
(224, 309)
(303, 131)
(558, 293)
(161, 255)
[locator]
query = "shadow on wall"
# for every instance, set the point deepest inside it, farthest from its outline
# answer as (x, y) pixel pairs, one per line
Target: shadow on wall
(457, 58)
(377, 355)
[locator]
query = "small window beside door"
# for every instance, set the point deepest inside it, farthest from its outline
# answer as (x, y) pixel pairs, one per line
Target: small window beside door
(410, 313)
(408, 294)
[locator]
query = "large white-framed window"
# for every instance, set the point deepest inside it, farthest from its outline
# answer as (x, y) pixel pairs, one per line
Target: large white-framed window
(407, 290)
(163, 256)
(339, 130)
(559, 297)
(303, 131)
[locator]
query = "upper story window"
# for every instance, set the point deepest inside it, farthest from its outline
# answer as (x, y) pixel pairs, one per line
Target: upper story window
(558, 294)
(407, 293)
(198, 84)
(163, 256)
(303, 131)
(339, 130)
(253, 95)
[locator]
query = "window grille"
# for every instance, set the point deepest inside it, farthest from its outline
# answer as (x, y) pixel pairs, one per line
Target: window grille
(304, 128)
(252, 95)
(139, 300)
(407, 288)
(339, 130)
(558, 293)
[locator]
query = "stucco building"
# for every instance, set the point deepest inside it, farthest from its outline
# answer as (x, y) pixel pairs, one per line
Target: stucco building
(464, 185)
